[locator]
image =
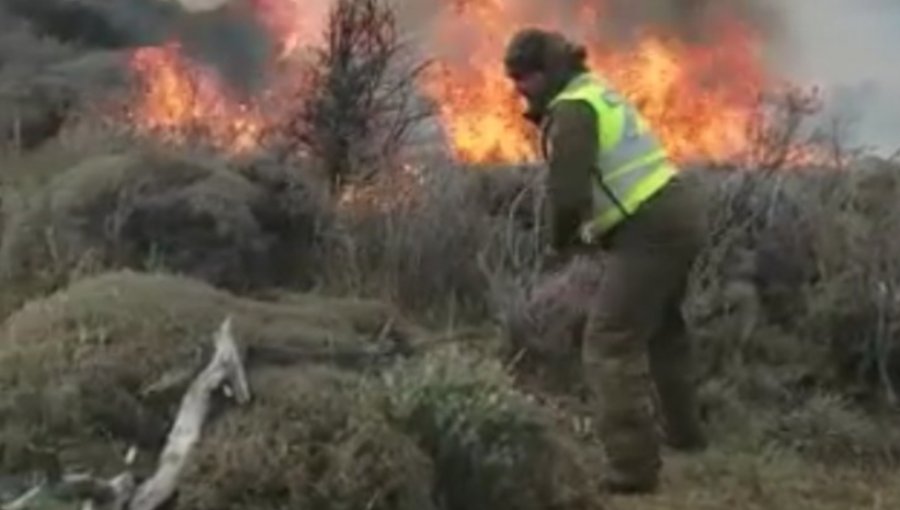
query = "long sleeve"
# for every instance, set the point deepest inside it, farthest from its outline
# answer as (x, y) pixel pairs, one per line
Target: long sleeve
(573, 145)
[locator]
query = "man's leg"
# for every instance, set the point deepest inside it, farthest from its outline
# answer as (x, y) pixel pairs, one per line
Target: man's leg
(626, 311)
(648, 260)
(672, 368)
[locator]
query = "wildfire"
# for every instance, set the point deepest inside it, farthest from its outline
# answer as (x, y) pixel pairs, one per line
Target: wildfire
(177, 99)
(699, 97)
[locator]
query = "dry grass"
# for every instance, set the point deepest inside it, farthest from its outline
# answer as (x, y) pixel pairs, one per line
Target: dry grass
(449, 246)
(764, 479)
(795, 316)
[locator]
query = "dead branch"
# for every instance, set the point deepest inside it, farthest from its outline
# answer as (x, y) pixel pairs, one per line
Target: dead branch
(121, 492)
(23, 501)
(776, 131)
(111, 494)
(225, 368)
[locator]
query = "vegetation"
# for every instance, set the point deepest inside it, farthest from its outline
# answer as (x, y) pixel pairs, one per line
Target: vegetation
(405, 347)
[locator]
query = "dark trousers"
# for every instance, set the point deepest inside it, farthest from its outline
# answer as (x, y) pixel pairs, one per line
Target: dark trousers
(636, 338)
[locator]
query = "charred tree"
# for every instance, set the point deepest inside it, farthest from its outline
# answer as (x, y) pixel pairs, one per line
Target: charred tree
(358, 106)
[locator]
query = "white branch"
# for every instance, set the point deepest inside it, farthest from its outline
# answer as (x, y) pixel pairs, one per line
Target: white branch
(225, 367)
(22, 502)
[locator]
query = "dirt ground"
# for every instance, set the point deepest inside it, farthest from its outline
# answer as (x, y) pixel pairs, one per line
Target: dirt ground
(756, 480)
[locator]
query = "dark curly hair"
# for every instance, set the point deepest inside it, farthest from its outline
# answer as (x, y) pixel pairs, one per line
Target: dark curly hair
(534, 49)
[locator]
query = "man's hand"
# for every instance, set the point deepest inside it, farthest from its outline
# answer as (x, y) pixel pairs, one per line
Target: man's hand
(555, 259)
(552, 260)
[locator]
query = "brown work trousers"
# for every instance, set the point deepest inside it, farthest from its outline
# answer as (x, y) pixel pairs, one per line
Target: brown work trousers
(636, 338)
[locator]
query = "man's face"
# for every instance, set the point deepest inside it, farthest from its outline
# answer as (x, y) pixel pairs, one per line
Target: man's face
(530, 85)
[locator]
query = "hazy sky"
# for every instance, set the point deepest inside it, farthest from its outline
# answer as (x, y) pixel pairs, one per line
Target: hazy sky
(851, 47)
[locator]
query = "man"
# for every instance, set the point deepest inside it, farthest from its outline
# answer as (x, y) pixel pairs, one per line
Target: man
(612, 188)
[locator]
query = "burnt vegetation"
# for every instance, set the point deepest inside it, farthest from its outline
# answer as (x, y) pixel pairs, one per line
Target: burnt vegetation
(407, 350)
(359, 104)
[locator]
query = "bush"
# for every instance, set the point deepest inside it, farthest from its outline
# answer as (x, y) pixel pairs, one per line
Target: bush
(311, 439)
(443, 245)
(241, 230)
(101, 365)
(792, 300)
(93, 370)
(492, 446)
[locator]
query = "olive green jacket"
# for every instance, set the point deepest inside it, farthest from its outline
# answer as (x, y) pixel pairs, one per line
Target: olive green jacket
(571, 146)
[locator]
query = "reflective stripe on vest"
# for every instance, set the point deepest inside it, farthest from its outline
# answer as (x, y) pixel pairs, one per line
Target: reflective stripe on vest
(632, 163)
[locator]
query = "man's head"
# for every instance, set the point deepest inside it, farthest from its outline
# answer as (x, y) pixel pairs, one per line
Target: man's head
(540, 63)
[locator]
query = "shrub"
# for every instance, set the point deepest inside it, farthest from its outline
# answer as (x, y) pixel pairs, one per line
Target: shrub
(242, 230)
(102, 364)
(492, 447)
(440, 246)
(311, 439)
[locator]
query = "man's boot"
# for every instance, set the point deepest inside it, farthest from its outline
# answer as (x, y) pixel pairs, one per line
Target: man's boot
(618, 375)
(613, 484)
(682, 422)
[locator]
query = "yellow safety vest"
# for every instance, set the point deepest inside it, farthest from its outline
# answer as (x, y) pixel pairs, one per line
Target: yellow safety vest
(632, 164)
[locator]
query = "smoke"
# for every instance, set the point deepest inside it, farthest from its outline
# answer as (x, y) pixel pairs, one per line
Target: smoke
(615, 21)
(692, 20)
(235, 44)
(849, 49)
(228, 39)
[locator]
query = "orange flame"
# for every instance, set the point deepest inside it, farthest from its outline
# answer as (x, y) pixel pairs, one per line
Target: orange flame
(700, 97)
(178, 98)
(179, 101)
